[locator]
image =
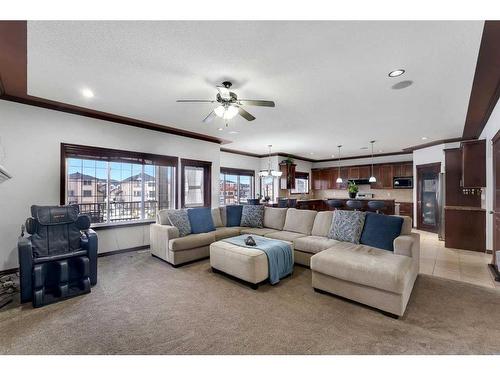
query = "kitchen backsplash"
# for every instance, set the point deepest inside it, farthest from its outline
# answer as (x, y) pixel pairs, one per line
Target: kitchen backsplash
(400, 195)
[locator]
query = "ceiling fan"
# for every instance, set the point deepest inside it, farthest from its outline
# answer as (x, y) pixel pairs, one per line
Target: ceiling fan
(229, 104)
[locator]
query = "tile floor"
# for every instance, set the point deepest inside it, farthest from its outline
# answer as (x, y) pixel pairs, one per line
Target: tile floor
(455, 264)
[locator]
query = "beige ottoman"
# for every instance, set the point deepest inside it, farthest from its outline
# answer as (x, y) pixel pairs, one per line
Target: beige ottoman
(247, 264)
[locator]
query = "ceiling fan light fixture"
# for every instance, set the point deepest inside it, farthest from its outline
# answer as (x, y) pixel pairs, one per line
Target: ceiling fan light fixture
(230, 112)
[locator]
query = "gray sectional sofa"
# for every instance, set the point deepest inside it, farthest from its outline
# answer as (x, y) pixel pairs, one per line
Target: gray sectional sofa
(379, 278)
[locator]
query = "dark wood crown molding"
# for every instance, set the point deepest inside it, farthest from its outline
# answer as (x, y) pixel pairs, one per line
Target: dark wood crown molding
(434, 143)
(13, 74)
(486, 85)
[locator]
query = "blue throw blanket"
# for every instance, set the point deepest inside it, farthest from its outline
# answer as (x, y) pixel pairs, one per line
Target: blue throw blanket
(279, 255)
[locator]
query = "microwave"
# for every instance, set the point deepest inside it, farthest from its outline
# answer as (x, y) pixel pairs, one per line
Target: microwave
(402, 182)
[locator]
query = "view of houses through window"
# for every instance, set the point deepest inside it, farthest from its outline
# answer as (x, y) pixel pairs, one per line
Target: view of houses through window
(110, 191)
(236, 187)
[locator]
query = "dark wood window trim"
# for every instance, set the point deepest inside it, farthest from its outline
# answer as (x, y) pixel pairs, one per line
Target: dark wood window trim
(303, 176)
(207, 179)
(100, 153)
(238, 171)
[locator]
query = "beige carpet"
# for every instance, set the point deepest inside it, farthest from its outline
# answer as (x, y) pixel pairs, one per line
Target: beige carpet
(142, 305)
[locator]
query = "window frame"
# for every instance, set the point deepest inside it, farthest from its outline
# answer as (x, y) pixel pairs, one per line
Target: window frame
(302, 176)
(69, 150)
(207, 180)
(239, 172)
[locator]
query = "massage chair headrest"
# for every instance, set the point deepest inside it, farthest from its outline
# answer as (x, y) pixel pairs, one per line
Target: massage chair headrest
(56, 215)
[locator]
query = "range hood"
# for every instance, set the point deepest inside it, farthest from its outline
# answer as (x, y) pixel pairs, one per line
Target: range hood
(360, 181)
(4, 175)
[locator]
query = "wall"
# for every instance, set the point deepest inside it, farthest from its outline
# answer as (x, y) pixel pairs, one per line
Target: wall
(31, 140)
(489, 131)
(428, 155)
(230, 160)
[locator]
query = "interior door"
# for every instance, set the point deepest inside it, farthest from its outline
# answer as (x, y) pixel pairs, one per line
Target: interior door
(427, 197)
(496, 197)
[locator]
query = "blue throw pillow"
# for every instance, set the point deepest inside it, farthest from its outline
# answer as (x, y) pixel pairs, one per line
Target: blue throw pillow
(381, 230)
(233, 215)
(201, 220)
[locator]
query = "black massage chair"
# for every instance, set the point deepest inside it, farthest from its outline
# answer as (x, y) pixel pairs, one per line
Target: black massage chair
(59, 259)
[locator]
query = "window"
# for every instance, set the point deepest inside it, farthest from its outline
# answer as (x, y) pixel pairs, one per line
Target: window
(267, 187)
(196, 183)
(301, 183)
(236, 186)
(117, 186)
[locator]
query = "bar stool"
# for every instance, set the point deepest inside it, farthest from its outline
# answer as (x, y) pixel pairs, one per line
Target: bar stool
(334, 203)
(354, 205)
(292, 203)
(282, 203)
(376, 206)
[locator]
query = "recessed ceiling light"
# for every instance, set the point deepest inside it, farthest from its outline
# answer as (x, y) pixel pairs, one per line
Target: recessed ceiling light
(424, 138)
(87, 93)
(396, 73)
(220, 129)
(311, 153)
(233, 132)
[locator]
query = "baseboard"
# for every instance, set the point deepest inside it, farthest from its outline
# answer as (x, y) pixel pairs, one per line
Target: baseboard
(121, 251)
(9, 271)
(494, 270)
(114, 252)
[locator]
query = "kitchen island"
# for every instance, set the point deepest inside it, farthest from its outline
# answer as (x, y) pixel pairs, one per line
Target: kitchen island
(321, 205)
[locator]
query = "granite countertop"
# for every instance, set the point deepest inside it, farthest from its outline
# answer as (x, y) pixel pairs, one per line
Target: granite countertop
(464, 208)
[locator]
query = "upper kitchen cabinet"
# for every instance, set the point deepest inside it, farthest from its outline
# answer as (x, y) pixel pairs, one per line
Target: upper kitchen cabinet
(402, 170)
(316, 179)
(287, 180)
(473, 164)
(383, 173)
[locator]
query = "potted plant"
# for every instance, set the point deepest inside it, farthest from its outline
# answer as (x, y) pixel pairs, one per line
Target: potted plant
(352, 189)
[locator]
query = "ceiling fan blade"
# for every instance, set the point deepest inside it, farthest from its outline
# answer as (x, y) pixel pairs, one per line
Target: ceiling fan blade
(247, 116)
(194, 101)
(261, 103)
(224, 92)
(209, 118)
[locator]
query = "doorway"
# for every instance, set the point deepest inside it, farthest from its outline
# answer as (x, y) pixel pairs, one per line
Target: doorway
(496, 203)
(428, 211)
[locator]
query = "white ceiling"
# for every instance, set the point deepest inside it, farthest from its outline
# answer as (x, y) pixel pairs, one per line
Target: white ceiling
(328, 79)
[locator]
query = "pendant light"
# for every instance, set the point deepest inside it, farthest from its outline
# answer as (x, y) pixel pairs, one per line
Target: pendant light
(269, 171)
(372, 177)
(339, 179)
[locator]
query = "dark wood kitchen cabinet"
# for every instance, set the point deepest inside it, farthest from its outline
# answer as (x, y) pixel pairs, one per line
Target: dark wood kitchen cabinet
(402, 170)
(383, 174)
(353, 173)
(406, 209)
(287, 180)
(465, 228)
(473, 163)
